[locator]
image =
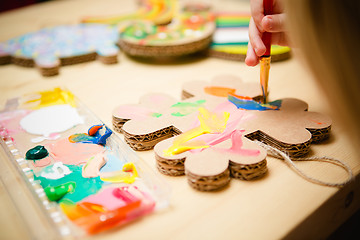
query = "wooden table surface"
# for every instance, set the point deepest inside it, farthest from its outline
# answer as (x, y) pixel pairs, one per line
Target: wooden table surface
(280, 205)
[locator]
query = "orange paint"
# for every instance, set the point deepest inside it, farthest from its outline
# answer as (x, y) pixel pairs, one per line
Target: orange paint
(107, 209)
(319, 123)
(219, 91)
(240, 97)
(94, 129)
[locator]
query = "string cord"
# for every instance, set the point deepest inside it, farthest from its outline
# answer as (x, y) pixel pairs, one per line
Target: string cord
(282, 155)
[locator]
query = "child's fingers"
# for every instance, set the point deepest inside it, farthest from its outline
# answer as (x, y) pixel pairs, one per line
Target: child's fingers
(257, 13)
(251, 57)
(273, 23)
(255, 39)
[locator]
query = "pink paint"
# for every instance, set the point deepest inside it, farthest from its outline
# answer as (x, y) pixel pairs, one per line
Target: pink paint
(158, 99)
(113, 198)
(237, 146)
(73, 153)
(93, 165)
(5, 135)
(236, 118)
(42, 162)
(106, 198)
(10, 120)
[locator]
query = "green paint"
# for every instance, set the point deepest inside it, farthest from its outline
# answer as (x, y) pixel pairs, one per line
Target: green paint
(36, 153)
(186, 108)
(139, 31)
(57, 192)
(157, 115)
(84, 186)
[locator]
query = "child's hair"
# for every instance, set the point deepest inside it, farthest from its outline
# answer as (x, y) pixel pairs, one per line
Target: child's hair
(328, 34)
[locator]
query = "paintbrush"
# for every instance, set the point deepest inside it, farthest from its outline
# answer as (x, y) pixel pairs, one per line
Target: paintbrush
(266, 58)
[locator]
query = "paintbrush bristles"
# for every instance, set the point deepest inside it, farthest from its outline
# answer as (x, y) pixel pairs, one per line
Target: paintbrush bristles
(264, 76)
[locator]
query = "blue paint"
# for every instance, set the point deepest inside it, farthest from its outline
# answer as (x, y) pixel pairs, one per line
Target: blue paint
(249, 104)
(95, 138)
(113, 164)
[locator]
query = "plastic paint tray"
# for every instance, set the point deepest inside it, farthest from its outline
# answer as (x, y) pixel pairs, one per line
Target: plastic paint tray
(17, 142)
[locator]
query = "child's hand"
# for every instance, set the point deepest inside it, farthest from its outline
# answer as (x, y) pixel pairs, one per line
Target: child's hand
(258, 24)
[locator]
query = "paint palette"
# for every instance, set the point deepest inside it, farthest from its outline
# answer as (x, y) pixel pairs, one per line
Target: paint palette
(84, 178)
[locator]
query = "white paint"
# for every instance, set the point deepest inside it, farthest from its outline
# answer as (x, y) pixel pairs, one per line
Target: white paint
(52, 119)
(40, 139)
(231, 35)
(58, 170)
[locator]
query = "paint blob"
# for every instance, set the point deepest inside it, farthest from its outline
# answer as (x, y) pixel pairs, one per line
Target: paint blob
(57, 192)
(10, 120)
(52, 119)
(113, 164)
(250, 104)
(39, 155)
(56, 171)
(94, 136)
(57, 96)
(108, 208)
(219, 91)
(84, 186)
(209, 123)
(93, 166)
(128, 174)
(36, 153)
(73, 153)
(106, 198)
(236, 117)
(237, 146)
(186, 108)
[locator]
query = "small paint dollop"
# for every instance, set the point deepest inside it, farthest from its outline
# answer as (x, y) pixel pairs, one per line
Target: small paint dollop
(58, 192)
(94, 135)
(37, 153)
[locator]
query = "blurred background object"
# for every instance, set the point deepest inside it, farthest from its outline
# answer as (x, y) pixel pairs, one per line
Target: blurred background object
(7, 5)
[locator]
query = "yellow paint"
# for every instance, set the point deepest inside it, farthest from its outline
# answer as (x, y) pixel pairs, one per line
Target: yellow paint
(79, 210)
(127, 175)
(275, 50)
(209, 123)
(97, 208)
(56, 96)
(157, 11)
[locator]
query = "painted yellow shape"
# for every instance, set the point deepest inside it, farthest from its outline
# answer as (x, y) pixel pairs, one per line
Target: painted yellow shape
(209, 123)
(56, 96)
